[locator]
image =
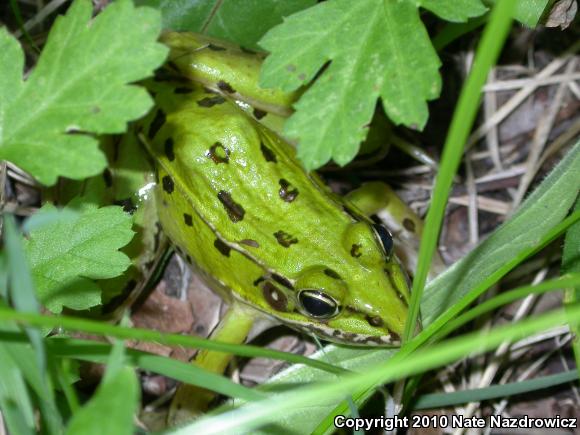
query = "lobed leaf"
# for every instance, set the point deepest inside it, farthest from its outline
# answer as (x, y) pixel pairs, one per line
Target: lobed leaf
(65, 256)
(376, 49)
(368, 59)
(80, 85)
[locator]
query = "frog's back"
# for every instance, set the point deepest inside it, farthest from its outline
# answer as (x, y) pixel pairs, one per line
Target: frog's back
(243, 182)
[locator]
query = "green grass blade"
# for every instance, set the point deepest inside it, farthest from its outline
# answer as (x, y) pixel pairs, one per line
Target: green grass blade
(103, 329)
(493, 39)
(442, 400)
(15, 402)
(86, 350)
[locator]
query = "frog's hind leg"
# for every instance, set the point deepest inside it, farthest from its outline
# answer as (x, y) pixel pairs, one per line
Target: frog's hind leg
(377, 198)
(191, 401)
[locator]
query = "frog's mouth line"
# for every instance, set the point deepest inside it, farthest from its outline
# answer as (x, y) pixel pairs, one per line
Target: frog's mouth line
(337, 336)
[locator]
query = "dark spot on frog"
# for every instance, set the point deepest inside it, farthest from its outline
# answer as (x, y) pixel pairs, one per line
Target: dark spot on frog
(247, 50)
(127, 204)
(355, 250)
(274, 296)
(188, 259)
(259, 280)
(287, 193)
(376, 321)
(268, 153)
(167, 184)
(169, 149)
(218, 153)
(108, 177)
(222, 247)
(285, 239)
(282, 281)
(291, 68)
(183, 90)
(214, 47)
(331, 273)
(211, 101)
(301, 77)
(409, 225)
(250, 242)
(259, 114)
(187, 219)
(226, 87)
(96, 109)
(235, 211)
(157, 123)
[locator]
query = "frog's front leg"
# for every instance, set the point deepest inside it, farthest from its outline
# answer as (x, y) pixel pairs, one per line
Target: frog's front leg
(190, 401)
(377, 198)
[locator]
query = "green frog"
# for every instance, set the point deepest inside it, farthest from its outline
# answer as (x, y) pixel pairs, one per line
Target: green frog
(269, 237)
(236, 204)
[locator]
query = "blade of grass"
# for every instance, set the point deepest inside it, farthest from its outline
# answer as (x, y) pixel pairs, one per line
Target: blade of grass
(103, 329)
(442, 400)
(487, 53)
(15, 402)
(87, 350)
(21, 289)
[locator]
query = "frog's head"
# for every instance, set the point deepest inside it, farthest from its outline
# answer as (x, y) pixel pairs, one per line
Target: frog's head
(366, 302)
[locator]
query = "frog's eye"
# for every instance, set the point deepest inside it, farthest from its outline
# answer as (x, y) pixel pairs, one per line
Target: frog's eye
(385, 239)
(318, 304)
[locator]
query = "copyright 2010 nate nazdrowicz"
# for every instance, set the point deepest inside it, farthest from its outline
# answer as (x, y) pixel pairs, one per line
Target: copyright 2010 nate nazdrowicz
(454, 421)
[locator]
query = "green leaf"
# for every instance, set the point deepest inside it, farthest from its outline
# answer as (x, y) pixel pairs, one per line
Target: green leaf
(66, 255)
(528, 12)
(111, 409)
(456, 10)
(243, 23)
(376, 48)
(80, 84)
